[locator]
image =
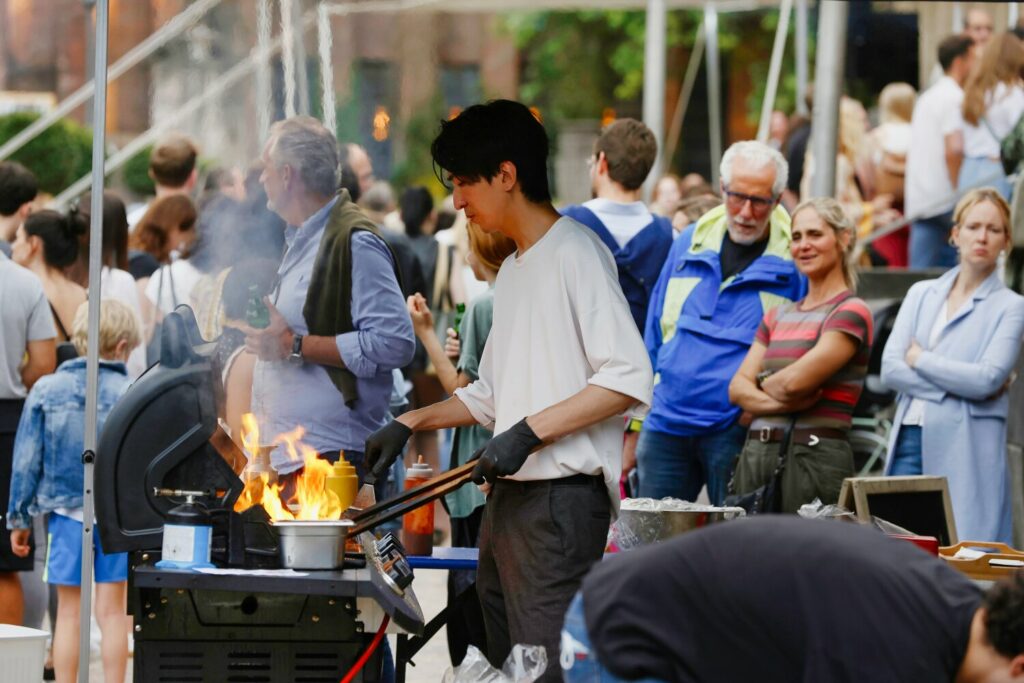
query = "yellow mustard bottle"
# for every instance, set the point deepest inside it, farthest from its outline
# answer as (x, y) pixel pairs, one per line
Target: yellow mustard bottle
(343, 482)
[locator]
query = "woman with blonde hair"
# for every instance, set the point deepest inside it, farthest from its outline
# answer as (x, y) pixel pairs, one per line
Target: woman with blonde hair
(891, 142)
(805, 371)
(993, 103)
(486, 253)
(951, 356)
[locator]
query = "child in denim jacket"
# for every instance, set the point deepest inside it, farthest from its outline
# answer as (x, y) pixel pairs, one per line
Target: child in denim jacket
(48, 479)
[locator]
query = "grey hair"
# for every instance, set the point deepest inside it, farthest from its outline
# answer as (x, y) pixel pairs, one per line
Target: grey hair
(757, 154)
(306, 145)
(379, 197)
(833, 214)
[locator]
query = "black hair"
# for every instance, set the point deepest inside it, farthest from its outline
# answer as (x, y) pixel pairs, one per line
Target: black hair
(115, 231)
(473, 145)
(951, 48)
(1004, 615)
(60, 234)
(415, 206)
(18, 186)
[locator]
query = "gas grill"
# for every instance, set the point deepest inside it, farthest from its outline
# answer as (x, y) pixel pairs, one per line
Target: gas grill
(231, 623)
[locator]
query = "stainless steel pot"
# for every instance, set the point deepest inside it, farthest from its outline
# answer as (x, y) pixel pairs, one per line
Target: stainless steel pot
(312, 544)
(644, 526)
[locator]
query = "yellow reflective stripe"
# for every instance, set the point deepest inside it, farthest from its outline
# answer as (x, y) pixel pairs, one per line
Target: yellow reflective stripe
(678, 290)
(770, 301)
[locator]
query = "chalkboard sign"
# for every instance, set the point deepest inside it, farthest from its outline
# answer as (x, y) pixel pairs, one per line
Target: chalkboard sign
(919, 504)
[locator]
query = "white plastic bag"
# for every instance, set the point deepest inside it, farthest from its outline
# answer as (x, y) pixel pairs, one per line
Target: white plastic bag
(524, 664)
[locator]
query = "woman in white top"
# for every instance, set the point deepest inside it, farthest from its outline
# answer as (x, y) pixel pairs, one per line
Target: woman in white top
(115, 280)
(993, 103)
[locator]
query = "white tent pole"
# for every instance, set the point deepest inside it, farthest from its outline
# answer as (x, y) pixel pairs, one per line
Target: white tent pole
(163, 35)
(801, 57)
(654, 84)
(683, 103)
(301, 68)
(828, 88)
(774, 70)
(288, 57)
(99, 117)
(263, 96)
(1012, 14)
(324, 40)
(714, 88)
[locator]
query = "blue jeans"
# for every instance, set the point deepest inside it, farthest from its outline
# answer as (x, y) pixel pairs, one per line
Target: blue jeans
(929, 242)
(578, 659)
(906, 456)
(678, 466)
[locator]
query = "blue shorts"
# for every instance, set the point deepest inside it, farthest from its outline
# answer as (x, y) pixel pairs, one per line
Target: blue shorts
(64, 555)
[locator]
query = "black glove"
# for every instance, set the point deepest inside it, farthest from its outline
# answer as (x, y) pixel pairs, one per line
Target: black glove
(384, 446)
(505, 453)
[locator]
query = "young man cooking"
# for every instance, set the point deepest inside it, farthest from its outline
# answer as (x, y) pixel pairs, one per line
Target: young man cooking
(563, 363)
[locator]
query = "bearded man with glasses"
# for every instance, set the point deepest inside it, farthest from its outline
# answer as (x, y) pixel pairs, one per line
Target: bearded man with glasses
(722, 275)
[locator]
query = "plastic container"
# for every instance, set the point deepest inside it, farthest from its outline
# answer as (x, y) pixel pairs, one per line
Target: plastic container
(418, 525)
(344, 482)
(22, 653)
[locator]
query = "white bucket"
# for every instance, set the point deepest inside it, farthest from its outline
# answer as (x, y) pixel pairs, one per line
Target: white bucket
(22, 653)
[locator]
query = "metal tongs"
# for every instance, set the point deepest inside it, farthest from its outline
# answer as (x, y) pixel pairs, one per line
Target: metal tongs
(410, 499)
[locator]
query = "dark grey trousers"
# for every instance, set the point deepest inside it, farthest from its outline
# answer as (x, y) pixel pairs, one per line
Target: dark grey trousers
(537, 541)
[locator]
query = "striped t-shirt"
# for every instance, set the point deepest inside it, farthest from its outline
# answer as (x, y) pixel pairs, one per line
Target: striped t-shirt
(789, 333)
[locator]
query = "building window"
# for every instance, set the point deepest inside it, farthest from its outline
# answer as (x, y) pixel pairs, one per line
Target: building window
(460, 87)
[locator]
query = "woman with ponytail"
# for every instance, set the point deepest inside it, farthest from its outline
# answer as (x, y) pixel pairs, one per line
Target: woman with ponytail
(47, 243)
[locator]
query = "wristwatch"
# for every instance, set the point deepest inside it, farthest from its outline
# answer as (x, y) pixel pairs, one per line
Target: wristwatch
(296, 354)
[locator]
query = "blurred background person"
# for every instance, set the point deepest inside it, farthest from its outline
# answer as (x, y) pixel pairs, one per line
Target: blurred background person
(778, 130)
(891, 141)
(47, 243)
(951, 356)
(223, 181)
(666, 194)
(993, 103)
(27, 353)
(18, 189)
(172, 168)
(794, 149)
(805, 371)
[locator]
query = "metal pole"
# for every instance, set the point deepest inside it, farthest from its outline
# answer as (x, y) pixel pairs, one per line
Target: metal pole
(301, 69)
(654, 84)
(801, 57)
(288, 57)
(168, 31)
(324, 40)
(958, 18)
(683, 103)
(828, 88)
(99, 116)
(263, 77)
(90, 26)
(714, 88)
(768, 105)
(1012, 14)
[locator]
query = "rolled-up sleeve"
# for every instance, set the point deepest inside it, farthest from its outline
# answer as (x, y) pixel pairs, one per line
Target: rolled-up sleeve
(478, 396)
(383, 338)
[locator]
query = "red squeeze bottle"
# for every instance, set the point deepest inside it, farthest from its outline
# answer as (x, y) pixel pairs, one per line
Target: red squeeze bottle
(418, 525)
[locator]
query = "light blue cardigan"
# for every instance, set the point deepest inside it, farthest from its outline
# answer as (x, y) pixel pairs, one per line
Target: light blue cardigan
(964, 430)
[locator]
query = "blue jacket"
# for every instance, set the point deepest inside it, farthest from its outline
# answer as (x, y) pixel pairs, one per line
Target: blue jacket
(639, 261)
(47, 469)
(700, 328)
(960, 380)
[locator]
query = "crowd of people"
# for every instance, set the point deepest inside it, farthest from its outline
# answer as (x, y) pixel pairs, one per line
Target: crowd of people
(709, 339)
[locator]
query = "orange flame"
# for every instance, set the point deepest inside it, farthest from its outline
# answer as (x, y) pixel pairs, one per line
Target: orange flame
(313, 499)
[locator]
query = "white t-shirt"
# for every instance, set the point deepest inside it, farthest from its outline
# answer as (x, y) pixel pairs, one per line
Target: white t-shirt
(166, 297)
(936, 114)
(118, 285)
(561, 323)
(623, 221)
(1005, 105)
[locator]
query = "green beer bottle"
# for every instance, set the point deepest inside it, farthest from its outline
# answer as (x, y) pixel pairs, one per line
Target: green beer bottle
(256, 313)
(460, 311)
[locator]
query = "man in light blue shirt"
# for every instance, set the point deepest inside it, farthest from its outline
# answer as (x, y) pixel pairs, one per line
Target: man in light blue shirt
(336, 386)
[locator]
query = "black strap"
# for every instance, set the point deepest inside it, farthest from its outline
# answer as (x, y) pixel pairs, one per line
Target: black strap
(60, 325)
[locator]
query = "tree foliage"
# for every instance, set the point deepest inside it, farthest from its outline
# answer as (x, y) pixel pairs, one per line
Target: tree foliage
(58, 156)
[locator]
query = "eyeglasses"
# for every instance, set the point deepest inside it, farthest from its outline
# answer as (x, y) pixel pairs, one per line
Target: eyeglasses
(759, 205)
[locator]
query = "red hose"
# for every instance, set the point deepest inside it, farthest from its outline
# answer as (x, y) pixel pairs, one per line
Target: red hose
(365, 657)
